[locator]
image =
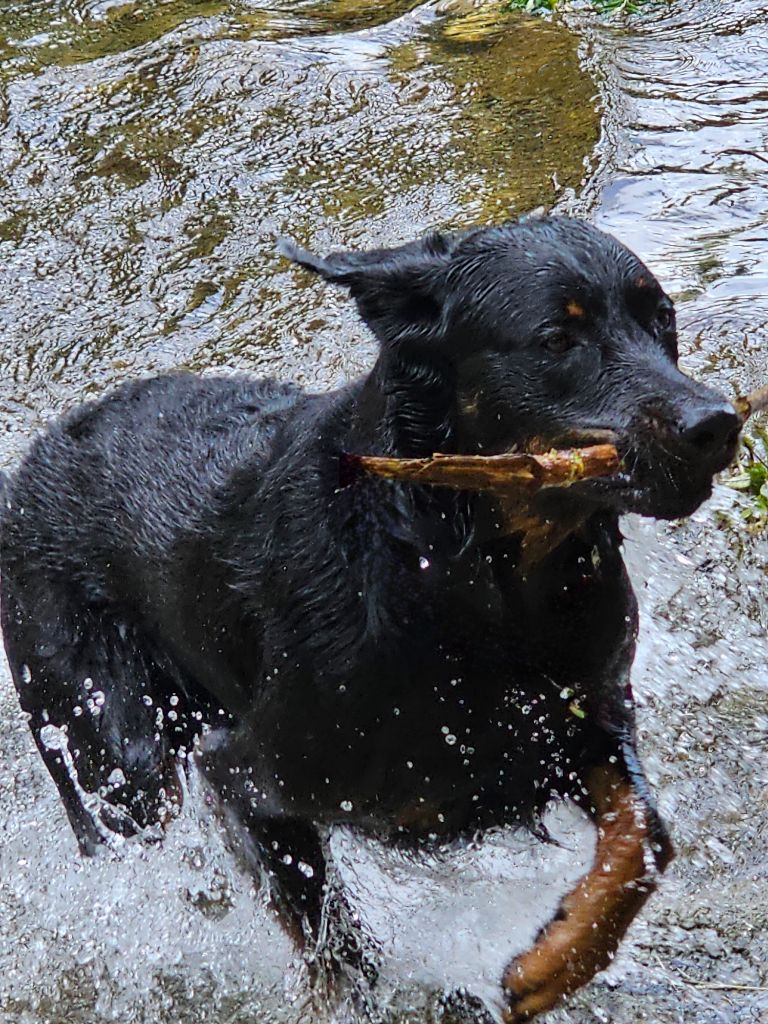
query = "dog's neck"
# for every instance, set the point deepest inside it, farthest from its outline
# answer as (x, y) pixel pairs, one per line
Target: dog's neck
(405, 408)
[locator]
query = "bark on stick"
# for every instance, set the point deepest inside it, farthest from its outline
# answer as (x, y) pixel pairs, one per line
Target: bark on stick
(520, 472)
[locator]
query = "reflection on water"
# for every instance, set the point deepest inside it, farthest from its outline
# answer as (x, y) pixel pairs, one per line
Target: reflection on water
(149, 155)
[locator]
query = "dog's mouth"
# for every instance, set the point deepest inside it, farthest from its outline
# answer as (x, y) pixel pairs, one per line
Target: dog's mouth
(656, 478)
(666, 483)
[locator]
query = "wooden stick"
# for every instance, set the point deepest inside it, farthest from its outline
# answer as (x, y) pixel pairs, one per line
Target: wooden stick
(714, 986)
(522, 472)
(512, 479)
(683, 981)
(751, 404)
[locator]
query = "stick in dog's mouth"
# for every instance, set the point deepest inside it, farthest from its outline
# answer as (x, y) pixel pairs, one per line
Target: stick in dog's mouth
(514, 478)
(754, 403)
(523, 473)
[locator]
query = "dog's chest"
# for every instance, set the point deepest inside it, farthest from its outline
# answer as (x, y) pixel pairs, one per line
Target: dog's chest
(565, 617)
(478, 705)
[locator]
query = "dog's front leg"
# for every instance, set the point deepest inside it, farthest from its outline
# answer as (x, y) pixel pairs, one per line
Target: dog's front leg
(632, 850)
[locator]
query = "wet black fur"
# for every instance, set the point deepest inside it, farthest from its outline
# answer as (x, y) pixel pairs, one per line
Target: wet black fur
(181, 554)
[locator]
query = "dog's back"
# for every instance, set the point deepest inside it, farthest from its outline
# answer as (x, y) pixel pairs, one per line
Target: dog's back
(125, 478)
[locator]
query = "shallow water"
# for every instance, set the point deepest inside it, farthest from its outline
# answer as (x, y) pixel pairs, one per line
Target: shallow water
(149, 156)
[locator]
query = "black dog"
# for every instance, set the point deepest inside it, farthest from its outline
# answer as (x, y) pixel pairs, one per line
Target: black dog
(189, 552)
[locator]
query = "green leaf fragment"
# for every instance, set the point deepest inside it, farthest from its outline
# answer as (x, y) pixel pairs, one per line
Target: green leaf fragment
(574, 708)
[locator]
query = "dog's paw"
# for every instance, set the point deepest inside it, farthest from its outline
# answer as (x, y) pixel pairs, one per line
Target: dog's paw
(342, 957)
(565, 958)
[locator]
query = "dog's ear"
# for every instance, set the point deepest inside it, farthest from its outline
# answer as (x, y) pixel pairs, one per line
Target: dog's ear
(400, 292)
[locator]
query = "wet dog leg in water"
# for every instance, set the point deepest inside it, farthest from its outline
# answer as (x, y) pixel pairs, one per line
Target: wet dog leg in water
(98, 699)
(311, 904)
(594, 916)
(291, 854)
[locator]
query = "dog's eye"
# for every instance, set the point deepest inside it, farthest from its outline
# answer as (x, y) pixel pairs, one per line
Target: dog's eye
(558, 343)
(665, 318)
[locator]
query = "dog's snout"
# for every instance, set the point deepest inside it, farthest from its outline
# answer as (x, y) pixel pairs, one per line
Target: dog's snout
(710, 429)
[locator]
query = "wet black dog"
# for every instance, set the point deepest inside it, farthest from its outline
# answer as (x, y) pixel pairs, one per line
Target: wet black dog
(181, 554)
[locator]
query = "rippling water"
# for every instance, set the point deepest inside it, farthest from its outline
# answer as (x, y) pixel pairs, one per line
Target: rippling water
(149, 155)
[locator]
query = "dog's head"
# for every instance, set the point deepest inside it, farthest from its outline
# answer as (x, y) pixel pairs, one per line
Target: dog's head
(547, 330)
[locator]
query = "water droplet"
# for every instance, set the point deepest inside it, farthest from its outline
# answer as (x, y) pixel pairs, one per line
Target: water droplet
(26, 674)
(450, 739)
(346, 805)
(423, 562)
(53, 738)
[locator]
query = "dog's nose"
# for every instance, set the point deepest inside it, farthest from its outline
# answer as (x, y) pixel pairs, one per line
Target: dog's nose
(711, 428)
